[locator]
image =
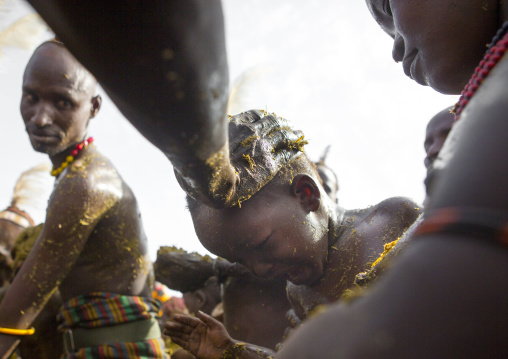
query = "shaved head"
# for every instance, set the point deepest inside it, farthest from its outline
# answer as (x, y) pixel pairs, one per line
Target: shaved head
(54, 57)
(58, 99)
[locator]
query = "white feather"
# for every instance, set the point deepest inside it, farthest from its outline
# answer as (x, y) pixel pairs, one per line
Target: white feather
(23, 33)
(32, 192)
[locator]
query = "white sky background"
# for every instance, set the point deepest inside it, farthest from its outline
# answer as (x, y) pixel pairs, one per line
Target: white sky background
(324, 64)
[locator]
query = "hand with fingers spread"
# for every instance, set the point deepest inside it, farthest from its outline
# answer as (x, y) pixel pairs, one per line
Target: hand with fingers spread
(203, 336)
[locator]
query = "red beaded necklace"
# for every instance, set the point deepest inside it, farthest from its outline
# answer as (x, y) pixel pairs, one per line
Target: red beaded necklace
(56, 171)
(497, 49)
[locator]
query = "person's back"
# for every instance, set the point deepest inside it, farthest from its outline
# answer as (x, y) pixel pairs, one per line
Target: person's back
(361, 237)
(117, 244)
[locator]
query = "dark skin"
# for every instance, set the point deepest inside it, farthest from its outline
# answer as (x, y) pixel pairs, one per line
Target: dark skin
(461, 29)
(291, 232)
(436, 134)
(254, 308)
(91, 212)
(8, 233)
(182, 271)
(418, 309)
(437, 131)
(433, 58)
(46, 342)
(204, 299)
(172, 82)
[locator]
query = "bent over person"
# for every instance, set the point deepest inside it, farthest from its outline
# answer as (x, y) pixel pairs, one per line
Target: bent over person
(285, 227)
(92, 246)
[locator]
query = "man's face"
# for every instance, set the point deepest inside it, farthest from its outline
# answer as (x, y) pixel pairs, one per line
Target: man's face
(271, 234)
(438, 41)
(57, 102)
(437, 132)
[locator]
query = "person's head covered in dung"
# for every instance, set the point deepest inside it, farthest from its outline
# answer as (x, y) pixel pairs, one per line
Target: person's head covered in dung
(284, 223)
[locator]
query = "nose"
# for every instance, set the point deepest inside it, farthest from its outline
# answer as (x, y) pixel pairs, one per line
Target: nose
(261, 269)
(399, 48)
(41, 116)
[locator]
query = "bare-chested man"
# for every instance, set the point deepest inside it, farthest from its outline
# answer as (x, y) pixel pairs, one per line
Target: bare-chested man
(92, 247)
(433, 302)
(287, 228)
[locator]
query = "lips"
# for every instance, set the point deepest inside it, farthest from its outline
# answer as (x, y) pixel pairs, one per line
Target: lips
(407, 63)
(43, 134)
(413, 68)
(41, 137)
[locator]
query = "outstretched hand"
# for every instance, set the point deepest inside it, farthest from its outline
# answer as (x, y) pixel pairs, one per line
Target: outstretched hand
(203, 336)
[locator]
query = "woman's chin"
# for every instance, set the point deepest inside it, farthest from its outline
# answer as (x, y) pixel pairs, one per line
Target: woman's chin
(449, 82)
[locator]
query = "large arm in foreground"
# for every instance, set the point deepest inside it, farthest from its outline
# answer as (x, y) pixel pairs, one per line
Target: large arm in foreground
(164, 65)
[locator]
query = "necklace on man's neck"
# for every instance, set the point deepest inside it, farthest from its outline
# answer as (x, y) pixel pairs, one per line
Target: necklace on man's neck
(497, 49)
(69, 159)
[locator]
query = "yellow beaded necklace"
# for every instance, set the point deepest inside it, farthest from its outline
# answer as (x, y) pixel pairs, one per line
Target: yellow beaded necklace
(69, 159)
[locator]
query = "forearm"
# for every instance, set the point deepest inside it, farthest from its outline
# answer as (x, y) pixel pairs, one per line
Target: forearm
(27, 295)
(164, 65)
(48, 263)
(242, 350)
(19, 308)
(7, 345)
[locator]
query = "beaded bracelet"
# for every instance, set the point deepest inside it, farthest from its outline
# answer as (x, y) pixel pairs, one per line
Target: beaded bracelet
(11, 331)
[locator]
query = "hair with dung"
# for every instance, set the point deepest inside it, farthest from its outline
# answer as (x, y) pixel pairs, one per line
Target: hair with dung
(264, 147)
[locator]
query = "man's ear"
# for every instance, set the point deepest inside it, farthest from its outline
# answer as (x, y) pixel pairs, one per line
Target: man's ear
(96, 105)
(306, 189)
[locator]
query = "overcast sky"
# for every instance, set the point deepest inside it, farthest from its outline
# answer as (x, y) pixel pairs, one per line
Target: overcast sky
(323, 64)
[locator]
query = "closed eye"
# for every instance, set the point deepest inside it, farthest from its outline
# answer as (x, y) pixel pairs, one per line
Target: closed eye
(263, 244)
